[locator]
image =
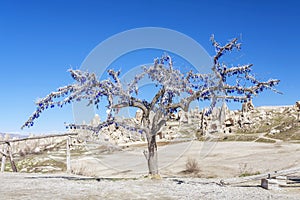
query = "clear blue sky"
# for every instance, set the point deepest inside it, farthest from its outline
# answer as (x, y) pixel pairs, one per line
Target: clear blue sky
(40, 40)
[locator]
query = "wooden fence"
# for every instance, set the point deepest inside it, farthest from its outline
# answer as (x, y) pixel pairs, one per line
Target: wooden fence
(7, 152)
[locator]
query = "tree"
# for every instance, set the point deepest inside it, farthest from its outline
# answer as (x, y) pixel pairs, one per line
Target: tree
(175, 90)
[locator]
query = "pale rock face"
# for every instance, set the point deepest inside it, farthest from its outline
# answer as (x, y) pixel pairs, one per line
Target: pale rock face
(274, 131)
(248, 106)
(96, 120)
(37, 150)
(262, 115)
(183, 116)
(194, 112)
(229, 122)
(139, 116)
(6, 137)
(224, 113)
(106, 138)
(247, 121)
(231, 113)
(116, 134)
(297, 105)
(215, 113)
(112, 128)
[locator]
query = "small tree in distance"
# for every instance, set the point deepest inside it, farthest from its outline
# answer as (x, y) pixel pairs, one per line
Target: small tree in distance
(175, 90)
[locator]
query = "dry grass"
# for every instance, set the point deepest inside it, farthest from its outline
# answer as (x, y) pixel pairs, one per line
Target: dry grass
(265, 140)
(192, 166)
(81, 168)
(245, 170)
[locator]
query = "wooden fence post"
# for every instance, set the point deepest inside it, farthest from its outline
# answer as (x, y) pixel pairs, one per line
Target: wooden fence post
(11, 158)
(68, 155)
(4, 157)
(264, 183)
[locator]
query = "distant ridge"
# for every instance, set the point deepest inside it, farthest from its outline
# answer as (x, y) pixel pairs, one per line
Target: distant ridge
(12, 135)
(274, 107)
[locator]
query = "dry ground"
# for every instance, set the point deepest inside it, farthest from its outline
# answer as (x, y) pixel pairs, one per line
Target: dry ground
(217, 160)
(63, 186)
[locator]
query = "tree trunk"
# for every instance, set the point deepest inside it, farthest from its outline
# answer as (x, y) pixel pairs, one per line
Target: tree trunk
(152, 155)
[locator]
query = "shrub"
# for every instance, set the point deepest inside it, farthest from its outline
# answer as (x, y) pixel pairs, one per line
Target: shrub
(192, 166)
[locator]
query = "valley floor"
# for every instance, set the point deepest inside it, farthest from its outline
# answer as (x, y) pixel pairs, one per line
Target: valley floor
(217, 160)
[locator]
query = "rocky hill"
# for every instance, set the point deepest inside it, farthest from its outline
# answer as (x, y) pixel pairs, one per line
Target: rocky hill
(261, 124)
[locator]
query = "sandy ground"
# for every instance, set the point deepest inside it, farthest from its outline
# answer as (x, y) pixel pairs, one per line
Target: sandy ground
(216, 160)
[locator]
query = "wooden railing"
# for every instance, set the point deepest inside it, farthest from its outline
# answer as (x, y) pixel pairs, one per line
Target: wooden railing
(7, 152)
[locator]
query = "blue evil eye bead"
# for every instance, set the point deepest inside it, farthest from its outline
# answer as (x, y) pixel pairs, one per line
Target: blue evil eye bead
(261, 89)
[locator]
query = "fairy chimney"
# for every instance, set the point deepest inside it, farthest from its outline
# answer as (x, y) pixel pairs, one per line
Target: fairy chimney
(139, 116)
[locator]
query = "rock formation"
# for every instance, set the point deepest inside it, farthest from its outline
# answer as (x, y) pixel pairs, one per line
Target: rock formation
(247, 106)
(139, 116)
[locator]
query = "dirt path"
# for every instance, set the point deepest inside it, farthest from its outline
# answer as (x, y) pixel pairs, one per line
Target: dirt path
(263, 136)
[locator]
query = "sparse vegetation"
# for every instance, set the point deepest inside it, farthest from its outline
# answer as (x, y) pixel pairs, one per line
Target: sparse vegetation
(81, 168)
(249, 174)
(245, 170)
(192, 166)
(265, 140)
(239, 137)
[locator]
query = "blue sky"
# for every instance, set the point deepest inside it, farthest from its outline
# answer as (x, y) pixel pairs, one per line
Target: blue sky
(41, 40)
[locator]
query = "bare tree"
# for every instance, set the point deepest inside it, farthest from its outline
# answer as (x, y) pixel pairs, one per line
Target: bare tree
(224, 83)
